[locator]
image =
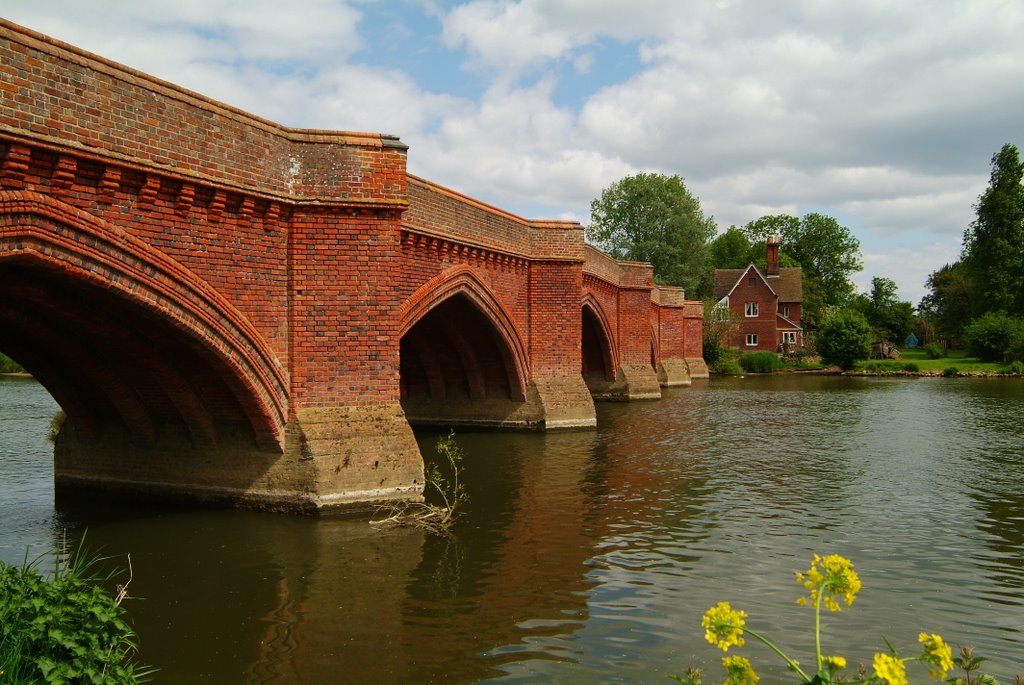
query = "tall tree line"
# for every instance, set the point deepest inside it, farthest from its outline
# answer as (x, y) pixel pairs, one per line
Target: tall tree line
(989, 276)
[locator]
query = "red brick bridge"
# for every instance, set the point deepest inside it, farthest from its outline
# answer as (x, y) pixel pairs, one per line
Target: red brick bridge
(229, 309)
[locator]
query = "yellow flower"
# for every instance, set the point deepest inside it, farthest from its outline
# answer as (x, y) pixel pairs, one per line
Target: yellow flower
(938, 654)
(891, 670)
(834, 663)
(723, 626)
(739, 671)
(832, 576)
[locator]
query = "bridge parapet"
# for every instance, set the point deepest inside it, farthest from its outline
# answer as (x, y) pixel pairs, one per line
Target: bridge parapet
(668, 296)
(56, 93)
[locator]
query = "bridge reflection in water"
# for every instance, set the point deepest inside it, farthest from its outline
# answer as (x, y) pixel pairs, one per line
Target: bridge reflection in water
(589, 557)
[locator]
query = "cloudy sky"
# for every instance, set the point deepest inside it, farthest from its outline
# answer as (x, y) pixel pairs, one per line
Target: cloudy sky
(883, 114)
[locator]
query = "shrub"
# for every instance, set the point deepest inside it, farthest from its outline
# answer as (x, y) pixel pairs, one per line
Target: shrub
(65, 629)
(712, 349)
(760, 362)
(934, 351)
(728, 367)
(995, 337)
(911, 367)
(845, 337)
(1016, 368)
(950, 371)
(447, 490)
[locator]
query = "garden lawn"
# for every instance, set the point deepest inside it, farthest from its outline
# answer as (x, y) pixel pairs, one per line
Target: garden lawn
(955, 359)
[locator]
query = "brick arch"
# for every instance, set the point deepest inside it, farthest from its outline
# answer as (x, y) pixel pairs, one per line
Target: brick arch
(154, 311)
(602, 331)
(462, 281)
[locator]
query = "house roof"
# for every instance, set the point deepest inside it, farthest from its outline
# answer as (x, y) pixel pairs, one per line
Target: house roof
(788, 285)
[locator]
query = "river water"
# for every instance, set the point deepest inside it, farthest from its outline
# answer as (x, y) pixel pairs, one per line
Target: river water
(589, 557)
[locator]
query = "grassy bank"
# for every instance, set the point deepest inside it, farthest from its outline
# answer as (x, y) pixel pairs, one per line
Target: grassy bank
(955, 363)
(911, 363)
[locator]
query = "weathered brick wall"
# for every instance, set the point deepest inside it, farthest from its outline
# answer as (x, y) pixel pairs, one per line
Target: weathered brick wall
(57, 92)
(751, 288)
(438, 211)
(218, 190)
(668, 310)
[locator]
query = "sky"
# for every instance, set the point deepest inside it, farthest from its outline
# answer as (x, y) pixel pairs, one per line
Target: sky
(884, 114)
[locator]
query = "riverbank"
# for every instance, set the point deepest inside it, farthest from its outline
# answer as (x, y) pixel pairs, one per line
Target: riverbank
(912, 363)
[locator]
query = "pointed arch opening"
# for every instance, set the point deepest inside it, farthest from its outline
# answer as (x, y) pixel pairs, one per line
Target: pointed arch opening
(129, 342)
(462, 359)
(598, 354)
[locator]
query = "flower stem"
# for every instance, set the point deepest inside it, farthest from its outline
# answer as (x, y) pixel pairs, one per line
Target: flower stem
(792, 664)
(817, 629)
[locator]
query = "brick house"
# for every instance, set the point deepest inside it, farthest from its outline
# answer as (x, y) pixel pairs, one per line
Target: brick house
(766, 304)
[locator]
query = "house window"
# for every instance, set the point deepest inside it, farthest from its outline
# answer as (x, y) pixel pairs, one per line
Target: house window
(752, 339)
(789, 337)
(785, 311)
(751, 309)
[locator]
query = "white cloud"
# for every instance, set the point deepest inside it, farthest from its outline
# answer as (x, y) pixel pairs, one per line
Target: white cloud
(884, 115)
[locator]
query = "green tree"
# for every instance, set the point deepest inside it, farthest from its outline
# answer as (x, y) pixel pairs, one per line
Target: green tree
(827, 252)
(719, 326)
(994, 243)
(654, 218)
(890, 319)
(949, 304)
(730, 250)
(995, 337)
(844, 338)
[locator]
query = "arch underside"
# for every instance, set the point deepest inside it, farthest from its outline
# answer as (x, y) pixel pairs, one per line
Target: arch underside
(457, 369)
(139, 353)
(598, 359)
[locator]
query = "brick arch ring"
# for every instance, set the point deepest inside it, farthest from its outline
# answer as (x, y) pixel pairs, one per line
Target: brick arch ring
(37, 228)
(610, 354)
(460, 280)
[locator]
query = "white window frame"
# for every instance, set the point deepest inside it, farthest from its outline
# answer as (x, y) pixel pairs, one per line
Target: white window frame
(751, 339)
(785, 311)
(789, 337)
(751, 309)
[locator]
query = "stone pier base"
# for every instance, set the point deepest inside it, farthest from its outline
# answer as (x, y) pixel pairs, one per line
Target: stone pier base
(347, 458)
(632, 382)
(674, 373)
(698, 367)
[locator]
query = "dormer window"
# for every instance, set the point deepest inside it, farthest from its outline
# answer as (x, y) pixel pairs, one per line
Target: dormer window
(751, 309)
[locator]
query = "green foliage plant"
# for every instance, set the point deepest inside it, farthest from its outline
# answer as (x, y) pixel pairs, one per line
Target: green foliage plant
(727, 366)
(950, 371)
(992, 244)
(653, 218)
(1015, 368)
(64, 629)
(995, 336)
(844, 338)
(827, 252)
(760, 362)
(934, 351)
(830, 582)
(911, 367)
(443, 484)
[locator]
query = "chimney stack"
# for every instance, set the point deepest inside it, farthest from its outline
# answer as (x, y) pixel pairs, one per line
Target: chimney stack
(773, 255)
